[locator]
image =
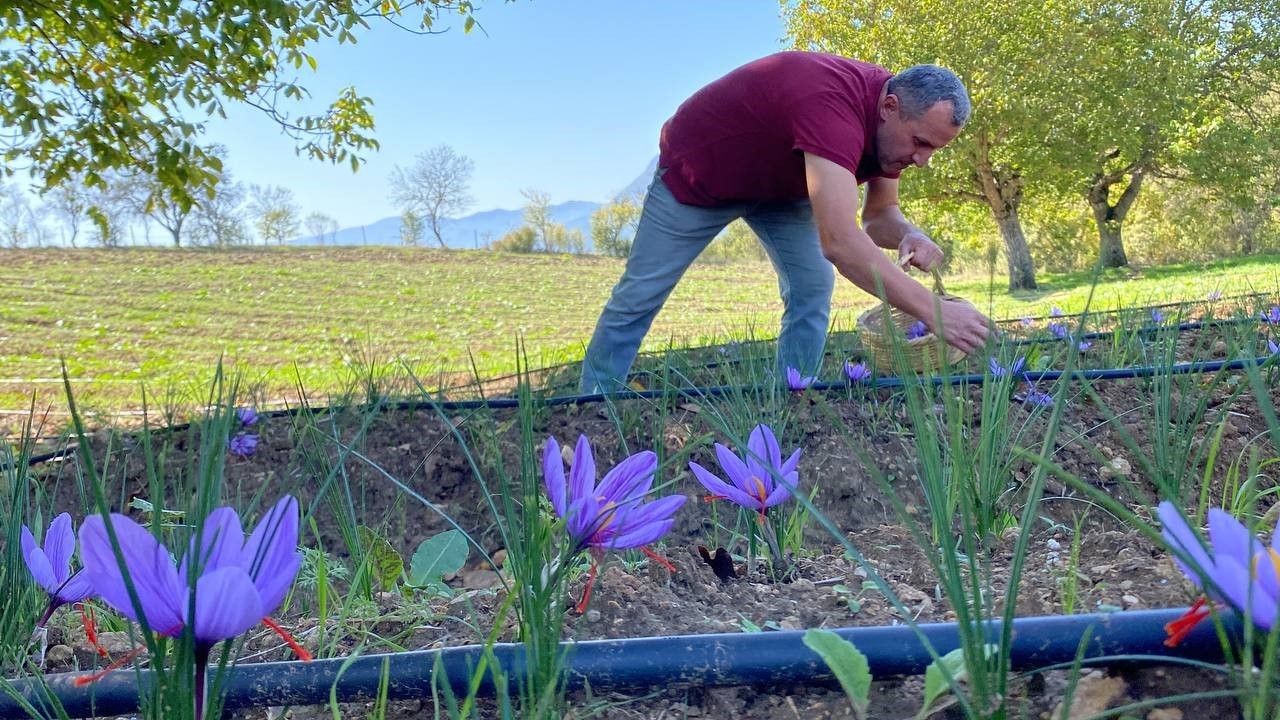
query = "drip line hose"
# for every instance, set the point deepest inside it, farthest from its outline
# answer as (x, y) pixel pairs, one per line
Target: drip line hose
(722, 390)
(768, 661)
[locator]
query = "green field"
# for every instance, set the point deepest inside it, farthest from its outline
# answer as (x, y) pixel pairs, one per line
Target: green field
(122, 318)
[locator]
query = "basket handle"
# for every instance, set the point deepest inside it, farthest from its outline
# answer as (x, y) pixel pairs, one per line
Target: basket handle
(905, 260)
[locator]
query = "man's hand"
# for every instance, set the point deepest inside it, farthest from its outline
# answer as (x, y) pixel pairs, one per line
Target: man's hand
(962, 325)
(926, 254)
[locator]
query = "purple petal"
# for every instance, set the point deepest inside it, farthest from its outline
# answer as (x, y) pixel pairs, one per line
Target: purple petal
(226, 605)
(645, 524)
(720, 488)
(789, 467)
(582, 476)
(271, 556)
(1230, 539)
(737, 471)
(1232, 580)
(764, 447)
(162, 596)
(582, 519)
(781, 492)
(553, 475)
(59, 545)
(221, 541)
(629, 479)
(37, 562)
(1188, 550)
(76, 588)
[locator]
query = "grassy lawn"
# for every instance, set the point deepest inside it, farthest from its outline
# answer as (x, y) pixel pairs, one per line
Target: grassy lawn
(123, 318)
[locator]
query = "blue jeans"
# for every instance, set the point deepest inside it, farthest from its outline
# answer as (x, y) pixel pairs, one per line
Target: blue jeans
(668, 238)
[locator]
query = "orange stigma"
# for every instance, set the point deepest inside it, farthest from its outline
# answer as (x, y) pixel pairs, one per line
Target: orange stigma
(297, 648)
(1180, 628)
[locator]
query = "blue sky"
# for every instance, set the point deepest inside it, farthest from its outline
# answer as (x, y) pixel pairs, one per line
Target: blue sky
(565, 96)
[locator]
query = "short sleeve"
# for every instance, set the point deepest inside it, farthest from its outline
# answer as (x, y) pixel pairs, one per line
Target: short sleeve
(830, 127)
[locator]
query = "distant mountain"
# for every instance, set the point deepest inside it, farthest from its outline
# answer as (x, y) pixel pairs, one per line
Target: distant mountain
(479, 229)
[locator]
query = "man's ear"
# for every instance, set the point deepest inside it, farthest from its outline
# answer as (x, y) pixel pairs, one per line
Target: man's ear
(888, 106)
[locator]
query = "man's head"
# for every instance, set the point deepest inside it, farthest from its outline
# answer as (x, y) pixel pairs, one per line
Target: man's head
(923, 108)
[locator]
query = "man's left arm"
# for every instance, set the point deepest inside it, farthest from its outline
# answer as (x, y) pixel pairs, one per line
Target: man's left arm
(883, 220)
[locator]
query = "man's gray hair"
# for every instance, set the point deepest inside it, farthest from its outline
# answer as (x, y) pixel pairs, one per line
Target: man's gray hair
(920, 86)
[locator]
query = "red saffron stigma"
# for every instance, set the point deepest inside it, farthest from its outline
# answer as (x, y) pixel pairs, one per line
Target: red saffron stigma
(297, 649)
(586, 593)
(713, 498)
(658, 558)
(1180, 628)
(83, 680)
(90, 629)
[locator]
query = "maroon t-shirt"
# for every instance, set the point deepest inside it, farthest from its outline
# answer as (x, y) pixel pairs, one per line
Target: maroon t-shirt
(742, 137)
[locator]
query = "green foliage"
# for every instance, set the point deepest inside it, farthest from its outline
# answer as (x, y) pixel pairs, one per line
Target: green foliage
(847, 663)
(523, 239)
(737, 242)
(90, 87)
(437, 556)
(412, 228)
(384, 564)
(613, 227)
(276, 216)
(939, 676)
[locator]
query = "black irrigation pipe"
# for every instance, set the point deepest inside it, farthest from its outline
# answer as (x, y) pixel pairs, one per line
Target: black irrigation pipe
(723, 390)
(768, 661)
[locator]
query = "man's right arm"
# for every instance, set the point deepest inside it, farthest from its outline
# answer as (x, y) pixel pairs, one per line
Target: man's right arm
(833, 192)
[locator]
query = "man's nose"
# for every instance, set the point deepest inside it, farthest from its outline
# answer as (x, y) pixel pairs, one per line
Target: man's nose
(921, 158)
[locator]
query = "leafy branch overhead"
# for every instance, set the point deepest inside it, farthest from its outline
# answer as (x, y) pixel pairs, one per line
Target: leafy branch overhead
(90, 87)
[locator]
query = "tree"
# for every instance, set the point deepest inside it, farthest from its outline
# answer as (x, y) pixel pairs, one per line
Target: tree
(68, 201)
(523, 239)
(613, 227)
(274, 212)
(321, 226)
(111, 209)
(537, 215)
(219, 221)
(151, 198)
(1161, 82)
(735, 243)
(90, 87)
(435, 188)
(411, 228)
(1013, 61)
(18, 223)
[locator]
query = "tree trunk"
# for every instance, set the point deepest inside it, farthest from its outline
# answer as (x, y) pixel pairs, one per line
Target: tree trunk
(1110, 218)
(1004, 197)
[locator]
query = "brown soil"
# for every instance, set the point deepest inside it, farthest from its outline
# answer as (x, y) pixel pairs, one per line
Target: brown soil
(841, 433)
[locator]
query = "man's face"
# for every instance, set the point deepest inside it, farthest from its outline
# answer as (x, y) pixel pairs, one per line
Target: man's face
(902, 142)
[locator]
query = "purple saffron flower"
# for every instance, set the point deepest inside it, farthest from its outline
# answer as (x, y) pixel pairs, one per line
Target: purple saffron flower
(998, 370)
(1272, 347)
(236, 582)
(1272, 316)
(795, 381)
(611, 515)
(243, 444)
(751, 478)
(1027, 322)
(1035, 397)
(1083, 345)
(1157, 316)
(50, 565)
(857, 372)
(247, 416)
(1214, 296)
(1233, 568)
(233, 583)
(1058, 330)
(917, 330)
(1055, 311)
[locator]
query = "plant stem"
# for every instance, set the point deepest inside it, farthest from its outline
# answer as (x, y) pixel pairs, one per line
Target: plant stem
(202, 661)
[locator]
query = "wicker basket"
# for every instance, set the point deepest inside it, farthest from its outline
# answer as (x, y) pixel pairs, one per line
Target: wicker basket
(882, 327)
